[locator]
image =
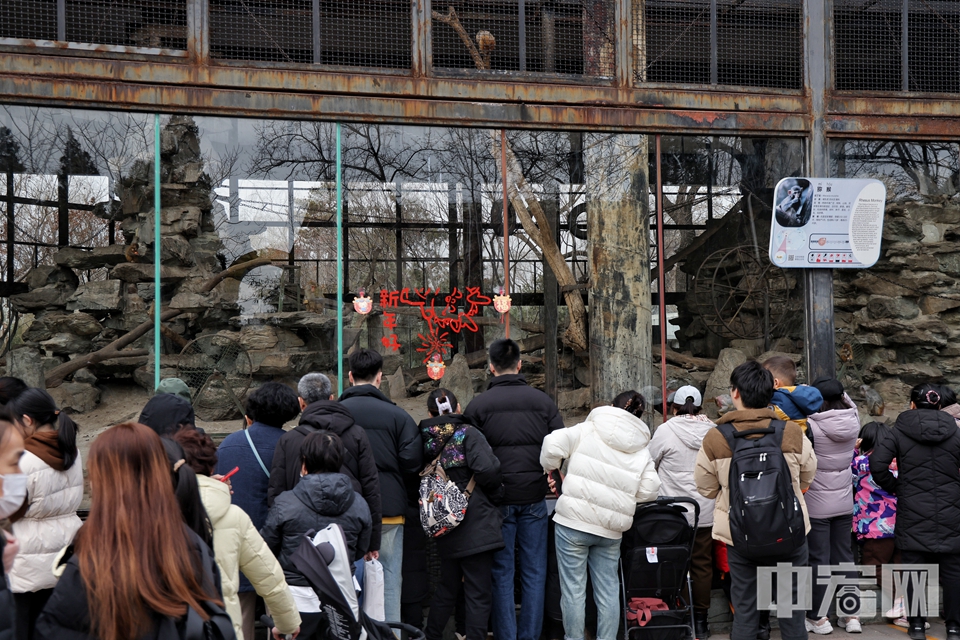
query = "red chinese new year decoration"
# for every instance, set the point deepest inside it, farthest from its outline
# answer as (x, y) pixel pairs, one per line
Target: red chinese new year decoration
(362, 303)
(449, 318)
(502, 302)
(435, 367)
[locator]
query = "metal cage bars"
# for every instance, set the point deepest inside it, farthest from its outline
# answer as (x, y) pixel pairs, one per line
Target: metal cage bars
(595, 42)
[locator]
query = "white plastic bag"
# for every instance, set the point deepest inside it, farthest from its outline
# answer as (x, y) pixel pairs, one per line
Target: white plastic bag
(373, 604)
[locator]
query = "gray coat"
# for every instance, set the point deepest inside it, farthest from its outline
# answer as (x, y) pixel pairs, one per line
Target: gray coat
(318, 500)
(834, 437)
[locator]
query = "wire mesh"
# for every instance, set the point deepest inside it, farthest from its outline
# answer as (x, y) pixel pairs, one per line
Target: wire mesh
(29, 19)
(574, 37)
(760, 43)
(147, 23)
(755, 43)
(934, 46)
(677, 36)
(331, 32)
(867, 45)
(153, 23)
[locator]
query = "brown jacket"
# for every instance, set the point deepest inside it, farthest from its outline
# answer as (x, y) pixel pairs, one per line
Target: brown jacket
(713, 464)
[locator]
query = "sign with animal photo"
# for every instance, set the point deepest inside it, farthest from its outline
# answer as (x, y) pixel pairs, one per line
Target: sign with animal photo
(827, 223)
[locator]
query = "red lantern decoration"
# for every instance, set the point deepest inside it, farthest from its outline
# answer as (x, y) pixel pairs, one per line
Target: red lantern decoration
(502, 301)
(436, 368)
(362, 304)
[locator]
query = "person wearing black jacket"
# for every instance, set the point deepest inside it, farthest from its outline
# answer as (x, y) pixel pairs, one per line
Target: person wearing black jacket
(322, 413)
(398, 451)
(466, 552)
(926, 445)
(515, 418)
(324, 496)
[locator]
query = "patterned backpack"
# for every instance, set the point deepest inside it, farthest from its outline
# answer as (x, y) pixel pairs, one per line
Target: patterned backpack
(442, 504)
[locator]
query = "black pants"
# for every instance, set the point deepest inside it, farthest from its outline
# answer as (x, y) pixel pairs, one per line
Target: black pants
(29, 606)
(829, 544)
(473, 573)
(743, 596)
(949, 579)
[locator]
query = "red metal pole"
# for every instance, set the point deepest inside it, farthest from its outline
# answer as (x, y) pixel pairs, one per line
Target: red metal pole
(506, 226)
(661, 282)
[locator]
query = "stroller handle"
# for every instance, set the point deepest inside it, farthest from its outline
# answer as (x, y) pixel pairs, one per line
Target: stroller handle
(667, 500)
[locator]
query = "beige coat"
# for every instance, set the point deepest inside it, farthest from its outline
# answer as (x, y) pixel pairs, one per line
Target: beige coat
(713, 464)
(238, 547)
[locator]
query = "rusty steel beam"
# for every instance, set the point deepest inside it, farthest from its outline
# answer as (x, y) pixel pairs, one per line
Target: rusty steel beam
(894, 127)
(469, 86)
(65, 92)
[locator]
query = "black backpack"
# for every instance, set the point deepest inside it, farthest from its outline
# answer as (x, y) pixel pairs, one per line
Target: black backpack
(766, 520)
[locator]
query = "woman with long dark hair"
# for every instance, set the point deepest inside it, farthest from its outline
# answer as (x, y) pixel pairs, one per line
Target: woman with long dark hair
(135, 570)
(47, 520)
(925, 442)
(187, 490)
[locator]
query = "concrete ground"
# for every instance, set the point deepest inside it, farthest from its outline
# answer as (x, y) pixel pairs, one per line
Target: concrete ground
(877, 631)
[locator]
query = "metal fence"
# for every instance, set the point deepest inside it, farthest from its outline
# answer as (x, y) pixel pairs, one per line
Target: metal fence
(756, 43)
(158, 24)
(568, 37)
(897, 45)
(354, 33)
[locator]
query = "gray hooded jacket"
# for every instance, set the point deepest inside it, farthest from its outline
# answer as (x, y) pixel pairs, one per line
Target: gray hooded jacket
(674, 450)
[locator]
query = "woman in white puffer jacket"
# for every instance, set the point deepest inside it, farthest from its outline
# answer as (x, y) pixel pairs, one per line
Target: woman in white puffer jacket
(47, 522)
(608, 471)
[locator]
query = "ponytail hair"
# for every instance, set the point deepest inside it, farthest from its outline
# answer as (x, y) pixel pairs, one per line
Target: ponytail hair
(687, 408)
(631, 402)
(441, 401)
(926, 396)
(40, 407)
(187, 491)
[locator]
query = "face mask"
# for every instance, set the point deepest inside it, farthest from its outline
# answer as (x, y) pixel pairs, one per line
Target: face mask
(14, 493)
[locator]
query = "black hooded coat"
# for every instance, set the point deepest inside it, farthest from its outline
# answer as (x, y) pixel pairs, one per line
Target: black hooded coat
(926, 445)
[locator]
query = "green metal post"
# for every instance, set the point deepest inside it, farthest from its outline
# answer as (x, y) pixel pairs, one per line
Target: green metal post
(339, 268)
(156, 251)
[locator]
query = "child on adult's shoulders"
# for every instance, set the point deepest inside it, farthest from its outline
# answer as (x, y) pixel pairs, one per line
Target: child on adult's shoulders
(791, 401)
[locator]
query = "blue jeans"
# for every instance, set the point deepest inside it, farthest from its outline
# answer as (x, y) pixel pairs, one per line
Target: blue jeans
(577, 551)
(391, 557)
(524, 526)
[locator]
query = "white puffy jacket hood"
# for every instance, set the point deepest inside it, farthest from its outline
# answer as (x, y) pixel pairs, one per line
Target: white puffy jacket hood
(674, 449)
(608, 471)
(237, 546)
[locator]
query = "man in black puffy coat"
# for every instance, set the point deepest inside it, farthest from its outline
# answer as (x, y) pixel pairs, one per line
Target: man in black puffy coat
(322, 413)
(398, 451)
(926, 445)
(515, 418)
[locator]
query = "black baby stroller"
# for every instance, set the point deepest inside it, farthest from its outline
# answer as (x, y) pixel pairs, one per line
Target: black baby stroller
(654, 564)
(322, 559)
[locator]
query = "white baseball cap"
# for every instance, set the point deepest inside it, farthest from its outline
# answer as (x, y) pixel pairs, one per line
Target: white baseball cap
(681, 395)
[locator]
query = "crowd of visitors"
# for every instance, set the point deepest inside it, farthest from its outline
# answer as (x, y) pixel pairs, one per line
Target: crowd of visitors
(183, 534)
